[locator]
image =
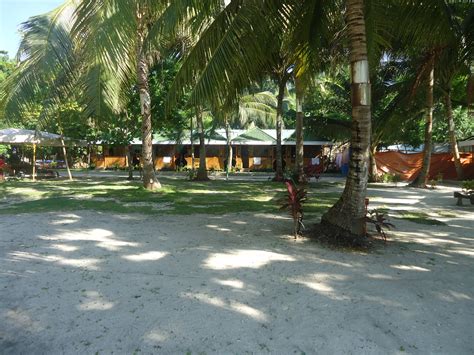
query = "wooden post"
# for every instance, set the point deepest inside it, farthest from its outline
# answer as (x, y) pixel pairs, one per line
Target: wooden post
(34, 161)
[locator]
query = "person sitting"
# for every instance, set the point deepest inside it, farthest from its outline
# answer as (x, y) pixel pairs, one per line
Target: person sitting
(136, 162)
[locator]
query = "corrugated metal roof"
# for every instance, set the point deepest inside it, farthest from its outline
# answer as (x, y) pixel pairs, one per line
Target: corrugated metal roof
(255, 134)
(252, 136)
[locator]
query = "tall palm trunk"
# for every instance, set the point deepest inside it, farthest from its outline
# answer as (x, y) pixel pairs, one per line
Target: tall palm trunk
(128, 150)
(422, 179)
(202, 172)
(150, 182)
(470, 91)
(128, 153)
(299, 161)
(66, 162)
(63, 146)
(88, 155)
(279, 124)
(192, 146)
(452, 135)
(229, 148)
(346, 217)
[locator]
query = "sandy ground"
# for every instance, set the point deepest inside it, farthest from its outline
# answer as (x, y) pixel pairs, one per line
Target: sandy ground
(89, 282)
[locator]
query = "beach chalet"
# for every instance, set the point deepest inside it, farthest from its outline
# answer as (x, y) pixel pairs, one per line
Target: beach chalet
(467, 145)
(252, 150)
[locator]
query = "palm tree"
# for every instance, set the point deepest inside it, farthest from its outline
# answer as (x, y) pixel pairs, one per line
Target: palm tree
(121, 36)
(202, 171)
(435, 39)
(299, 162)
(422, 179)
(257, 109)
(46, 51)
(102, 47)
(456, 59)
(347, 215)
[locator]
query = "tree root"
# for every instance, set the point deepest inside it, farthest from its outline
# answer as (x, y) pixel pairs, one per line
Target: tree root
(334, 236)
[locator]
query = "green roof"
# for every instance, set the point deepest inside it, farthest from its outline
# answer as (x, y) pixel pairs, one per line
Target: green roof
(307, 137)
(157, 137)
(254, 134)
(208, 134)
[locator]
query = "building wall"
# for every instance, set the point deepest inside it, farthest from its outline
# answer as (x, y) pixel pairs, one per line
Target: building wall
(259, 158)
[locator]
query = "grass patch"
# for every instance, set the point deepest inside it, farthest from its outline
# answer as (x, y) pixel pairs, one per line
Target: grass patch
(176, 197)
(419, 217)
(447, 214)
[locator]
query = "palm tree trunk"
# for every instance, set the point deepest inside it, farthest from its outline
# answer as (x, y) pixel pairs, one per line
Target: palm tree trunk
(33, 174)
(229, 148)
(470, 91)
(422, 179)
(64, 147)
(452, 136)
(279, 124)
(150, 181)
(192, 147)
(347, 217)
(65, 158)
(88, 155)
(299, 161)
(128, 153)
(202, 172)
(373, 172)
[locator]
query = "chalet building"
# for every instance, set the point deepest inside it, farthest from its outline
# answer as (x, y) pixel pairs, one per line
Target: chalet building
(252, 150)
(467, 145)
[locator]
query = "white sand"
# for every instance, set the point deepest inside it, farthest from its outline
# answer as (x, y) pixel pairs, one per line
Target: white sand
(88, 282)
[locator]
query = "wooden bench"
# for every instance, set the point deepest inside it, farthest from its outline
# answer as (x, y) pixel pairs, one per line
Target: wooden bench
(460, 196)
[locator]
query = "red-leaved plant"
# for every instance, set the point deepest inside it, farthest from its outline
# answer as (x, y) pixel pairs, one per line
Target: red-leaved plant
(294, 204)
(379, 221)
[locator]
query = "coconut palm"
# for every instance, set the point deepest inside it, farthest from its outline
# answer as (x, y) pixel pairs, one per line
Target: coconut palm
(348, 213)
(105, 47)
(46, 52)
(299, 96)
(121, 36)
(456, 59)
(420, 34)
(202, 171)
(258, 109)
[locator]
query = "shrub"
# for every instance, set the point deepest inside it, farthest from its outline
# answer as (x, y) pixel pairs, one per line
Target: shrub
(293, 202)
(388, 177)
(192, 174)
(468, 185)
(434, 182)
(381, 223)
(115, 166)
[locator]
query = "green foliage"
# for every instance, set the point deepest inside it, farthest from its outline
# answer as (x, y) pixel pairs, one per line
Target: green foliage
(468, 185)
(4, 150)
(463, 122)
(419, 218)
(388, 177)
(175, 121)
(7, 66)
